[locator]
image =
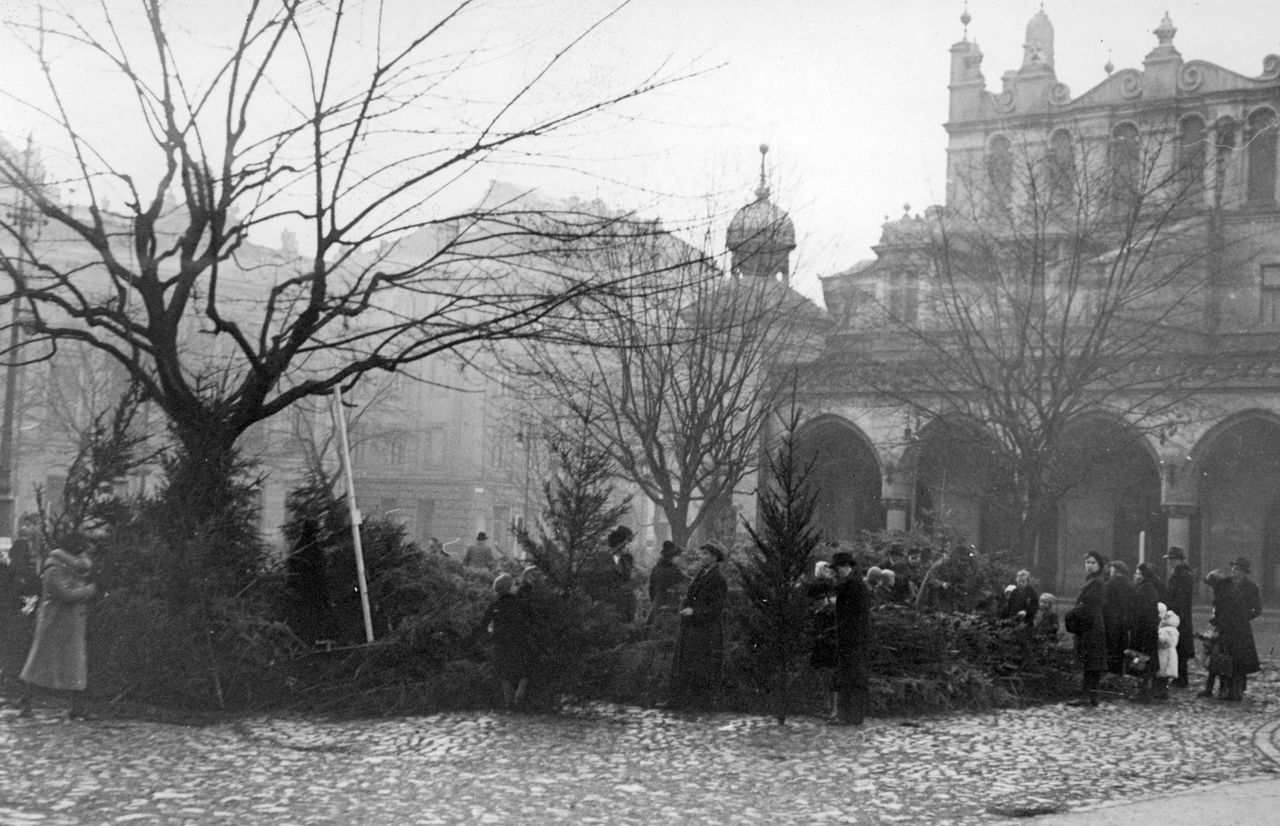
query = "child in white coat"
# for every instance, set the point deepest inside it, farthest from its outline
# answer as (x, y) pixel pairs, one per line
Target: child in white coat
(1168, 634)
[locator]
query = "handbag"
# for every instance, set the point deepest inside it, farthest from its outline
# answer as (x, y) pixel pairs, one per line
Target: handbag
(1078, 620)
(1220, 664)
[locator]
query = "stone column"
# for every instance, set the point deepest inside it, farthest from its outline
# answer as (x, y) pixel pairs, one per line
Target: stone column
(1179, 529)
(895, 512)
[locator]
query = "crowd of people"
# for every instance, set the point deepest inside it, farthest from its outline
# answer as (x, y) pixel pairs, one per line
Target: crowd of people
(1138, 624)
(1135, 624)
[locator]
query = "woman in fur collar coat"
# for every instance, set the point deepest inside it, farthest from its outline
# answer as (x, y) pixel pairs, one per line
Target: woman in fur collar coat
(57, 659)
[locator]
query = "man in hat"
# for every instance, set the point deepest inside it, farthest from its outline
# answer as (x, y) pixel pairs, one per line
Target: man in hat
(1235, 604)
(665, 580)
(896, 561)
(853, 642)
(609, 576)
(1181, 587)
(479, 555)
(699, 657)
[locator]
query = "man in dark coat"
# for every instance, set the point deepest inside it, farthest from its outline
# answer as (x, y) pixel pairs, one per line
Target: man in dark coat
(699, 657)
(1236, 603)
(853, 642)
(896, 561)
(1182, 587)
(1089, 628)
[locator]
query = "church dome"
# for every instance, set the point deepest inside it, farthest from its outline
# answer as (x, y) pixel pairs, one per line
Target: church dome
(761, 236)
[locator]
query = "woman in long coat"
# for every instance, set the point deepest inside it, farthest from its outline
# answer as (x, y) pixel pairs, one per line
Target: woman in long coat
(57, 660)
(1091, 641)
(1117, 610)
(699, 657)
(1145, 625)
(1182, 588)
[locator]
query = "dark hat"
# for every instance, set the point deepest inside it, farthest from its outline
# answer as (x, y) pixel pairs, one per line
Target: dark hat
(619, 536)
(482, 536)
(1176, 553)
(841, 558)
(1242, 564)
(670, 549)
(896, 550)
(716, 548)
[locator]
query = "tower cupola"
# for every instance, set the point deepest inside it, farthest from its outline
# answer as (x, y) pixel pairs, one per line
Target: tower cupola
(761, 236)
(1037, 51)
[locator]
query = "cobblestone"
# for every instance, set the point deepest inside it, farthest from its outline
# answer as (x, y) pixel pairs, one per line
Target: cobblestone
(613, 765)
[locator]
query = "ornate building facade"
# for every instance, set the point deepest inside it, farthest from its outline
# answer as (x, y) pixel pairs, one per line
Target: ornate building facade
(1203, 472)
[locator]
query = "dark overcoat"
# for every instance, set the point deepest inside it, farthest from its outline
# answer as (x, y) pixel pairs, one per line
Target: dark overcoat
(1117, 610)
(507, 621)
(57, 657)
(1091, 646)
(699, 657)
(1145, 620)
(665, 579)
(853, 635)
(1235, 604)
(1182, 588)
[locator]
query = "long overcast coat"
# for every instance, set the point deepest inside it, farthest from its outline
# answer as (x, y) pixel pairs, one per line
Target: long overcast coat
(699, 657)
(57, 657)
(1182, 588)
(1234, 606)
(1145, 619)
(1117, 609)
(1091, 646)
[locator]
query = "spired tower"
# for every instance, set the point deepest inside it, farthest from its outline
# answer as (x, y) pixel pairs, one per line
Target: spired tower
(761, 236)
(1037, 52)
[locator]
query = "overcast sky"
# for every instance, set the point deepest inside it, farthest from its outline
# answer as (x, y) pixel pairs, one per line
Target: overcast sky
(850, 96)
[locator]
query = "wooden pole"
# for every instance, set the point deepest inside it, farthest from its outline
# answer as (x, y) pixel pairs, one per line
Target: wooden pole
(344, 451)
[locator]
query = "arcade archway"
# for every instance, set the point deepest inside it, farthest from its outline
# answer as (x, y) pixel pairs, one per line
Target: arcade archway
(963, 486)
(1111, 499)
(845, 475)
(1239, 467)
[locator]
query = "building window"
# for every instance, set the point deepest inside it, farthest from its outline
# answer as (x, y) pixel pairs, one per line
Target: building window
(1224, 145)
(1062, 167)
(1260, 138)
(904, 298)
(1126, 162)
(397, 452)
(1000, 171)
(1270, 303)
(1189, 173)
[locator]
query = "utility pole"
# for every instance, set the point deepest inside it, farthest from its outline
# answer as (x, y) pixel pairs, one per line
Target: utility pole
(23, 217)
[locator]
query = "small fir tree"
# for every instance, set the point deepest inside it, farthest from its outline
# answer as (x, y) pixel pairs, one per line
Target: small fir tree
(577, 515)
(773, 568)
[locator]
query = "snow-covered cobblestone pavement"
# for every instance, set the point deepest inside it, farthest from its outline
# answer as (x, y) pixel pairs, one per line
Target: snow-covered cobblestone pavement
(602, 764)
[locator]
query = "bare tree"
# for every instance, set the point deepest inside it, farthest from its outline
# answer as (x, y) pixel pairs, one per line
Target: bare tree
(315, 118)
(1053, 285)
(677, 383)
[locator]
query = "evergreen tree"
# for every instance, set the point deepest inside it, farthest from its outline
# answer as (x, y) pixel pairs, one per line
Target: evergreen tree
(773, 569)
(577, 515)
